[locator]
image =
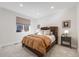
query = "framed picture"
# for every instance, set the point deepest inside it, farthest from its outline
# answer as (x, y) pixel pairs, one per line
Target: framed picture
(67, 24)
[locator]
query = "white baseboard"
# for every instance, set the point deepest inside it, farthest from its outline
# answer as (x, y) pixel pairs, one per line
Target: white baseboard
(5, 45)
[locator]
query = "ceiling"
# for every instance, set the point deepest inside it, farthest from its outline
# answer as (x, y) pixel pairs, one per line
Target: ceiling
(36, 9)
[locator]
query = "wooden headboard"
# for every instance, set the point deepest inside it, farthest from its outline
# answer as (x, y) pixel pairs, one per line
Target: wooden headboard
(53, 29)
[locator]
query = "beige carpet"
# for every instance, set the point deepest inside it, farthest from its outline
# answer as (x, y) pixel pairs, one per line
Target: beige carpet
(19, 51)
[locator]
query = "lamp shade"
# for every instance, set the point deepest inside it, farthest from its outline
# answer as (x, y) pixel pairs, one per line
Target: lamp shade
(66, 31)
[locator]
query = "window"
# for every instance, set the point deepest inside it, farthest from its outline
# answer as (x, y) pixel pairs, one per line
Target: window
(26, 27)
(22, 24)
(19, 27)
(22, 27)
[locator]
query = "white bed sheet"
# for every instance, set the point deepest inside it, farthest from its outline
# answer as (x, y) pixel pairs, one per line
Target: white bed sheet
(52, 37)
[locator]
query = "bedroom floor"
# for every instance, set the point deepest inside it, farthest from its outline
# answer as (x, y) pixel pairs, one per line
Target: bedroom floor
(17, 51)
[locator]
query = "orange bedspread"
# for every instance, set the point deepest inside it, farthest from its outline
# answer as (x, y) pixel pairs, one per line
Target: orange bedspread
(38, 42)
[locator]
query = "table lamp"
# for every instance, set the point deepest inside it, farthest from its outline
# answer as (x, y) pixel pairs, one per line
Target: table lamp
(66, 32)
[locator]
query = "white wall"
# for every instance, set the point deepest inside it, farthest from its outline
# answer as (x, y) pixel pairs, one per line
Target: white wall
(8, 33)
(7, 27)
(56, 20)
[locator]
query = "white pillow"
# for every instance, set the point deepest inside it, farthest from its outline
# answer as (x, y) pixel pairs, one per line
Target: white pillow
(51, 33)
(46, 32)
(41, 32)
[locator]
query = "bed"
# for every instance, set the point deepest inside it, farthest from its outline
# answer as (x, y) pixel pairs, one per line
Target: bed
(54, 31)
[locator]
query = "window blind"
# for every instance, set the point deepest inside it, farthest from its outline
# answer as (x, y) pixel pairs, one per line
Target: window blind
(20, 20)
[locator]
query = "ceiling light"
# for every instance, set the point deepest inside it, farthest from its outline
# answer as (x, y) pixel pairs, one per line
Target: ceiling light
(38, 13)
(21, 5)
(52, 7)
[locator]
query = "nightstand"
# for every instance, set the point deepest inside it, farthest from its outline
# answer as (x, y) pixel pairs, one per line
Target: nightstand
(66, 41)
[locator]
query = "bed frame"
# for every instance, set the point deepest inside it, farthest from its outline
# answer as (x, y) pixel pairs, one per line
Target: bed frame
(53, 29)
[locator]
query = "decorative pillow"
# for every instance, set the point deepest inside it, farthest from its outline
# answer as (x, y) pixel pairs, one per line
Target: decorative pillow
(46, 32)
